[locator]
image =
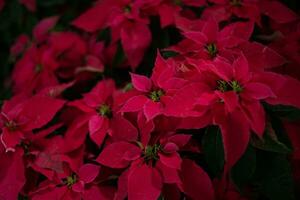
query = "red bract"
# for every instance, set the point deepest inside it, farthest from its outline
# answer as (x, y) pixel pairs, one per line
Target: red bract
(19, 45)
(125, 23)
(209, 42)
(99, 106)
(12, 174)
(72, 186)
(29, 4)
(18, 118)
(41, 29)
(154, 93)
(224, 9)
(30, 73)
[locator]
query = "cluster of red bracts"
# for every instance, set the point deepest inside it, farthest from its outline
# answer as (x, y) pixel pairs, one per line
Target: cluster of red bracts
(115, 143)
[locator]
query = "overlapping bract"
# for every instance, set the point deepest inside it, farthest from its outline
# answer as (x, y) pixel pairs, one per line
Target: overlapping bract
(132, 142)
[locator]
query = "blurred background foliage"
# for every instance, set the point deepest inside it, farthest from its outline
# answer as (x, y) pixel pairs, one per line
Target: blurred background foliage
(16, 19)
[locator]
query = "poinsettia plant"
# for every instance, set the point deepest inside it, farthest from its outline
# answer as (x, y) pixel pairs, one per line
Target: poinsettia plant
(150, 100)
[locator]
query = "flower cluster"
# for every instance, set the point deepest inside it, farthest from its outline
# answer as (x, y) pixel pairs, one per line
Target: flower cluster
(74, 130)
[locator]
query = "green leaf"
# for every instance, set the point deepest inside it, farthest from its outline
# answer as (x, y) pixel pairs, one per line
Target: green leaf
(213, 150)
(274, 177)
(49, 3)
(169, 54)
(22, 197)
(243, 171)
(288, 112)
(119, 56)
(270, 142)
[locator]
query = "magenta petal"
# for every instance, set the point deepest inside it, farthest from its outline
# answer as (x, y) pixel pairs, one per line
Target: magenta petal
(170, 175)
(99, 192)
(195, 122)
(78, 187)
(196, 182)
(235, 33)
(241, 69)
(152, 109)
(236, 134)
(278, 12)
(170, 147)
(180, 106)
(134, 104)
(76, 133)
(160, 66)
(257, 91)
(121, 193)
(39, 110)
(12, 174)
(222, 69)
(88, 172)
(42, 28)
(51, 193)
(149, 187)
(261, 57)
(114, 154)
(231, 100)
(99, 135)
(141, 83)
(100, 12)
(122, 129)
(166, 14)
(180, 139)
(145, 128)
(198, 37)
(207, 99)
(288, 93)
(256, 114)
(135, 39)
(100, 93)
(95, 123)
(81, 106)
(10, 139)
(172, 161)
(211, 29)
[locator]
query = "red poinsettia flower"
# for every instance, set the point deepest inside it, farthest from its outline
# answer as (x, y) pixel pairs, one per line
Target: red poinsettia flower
(125, 23)
(168, 10)
(154, 92)
(72, 186)
(31, 73)
(99, 106)
(224, 9)
(159, 160)
(232, 95)
(210, 42)
(156, 159)
(19, 116)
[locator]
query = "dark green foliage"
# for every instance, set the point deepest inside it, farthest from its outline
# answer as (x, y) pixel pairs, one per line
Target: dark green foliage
(213, 150)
